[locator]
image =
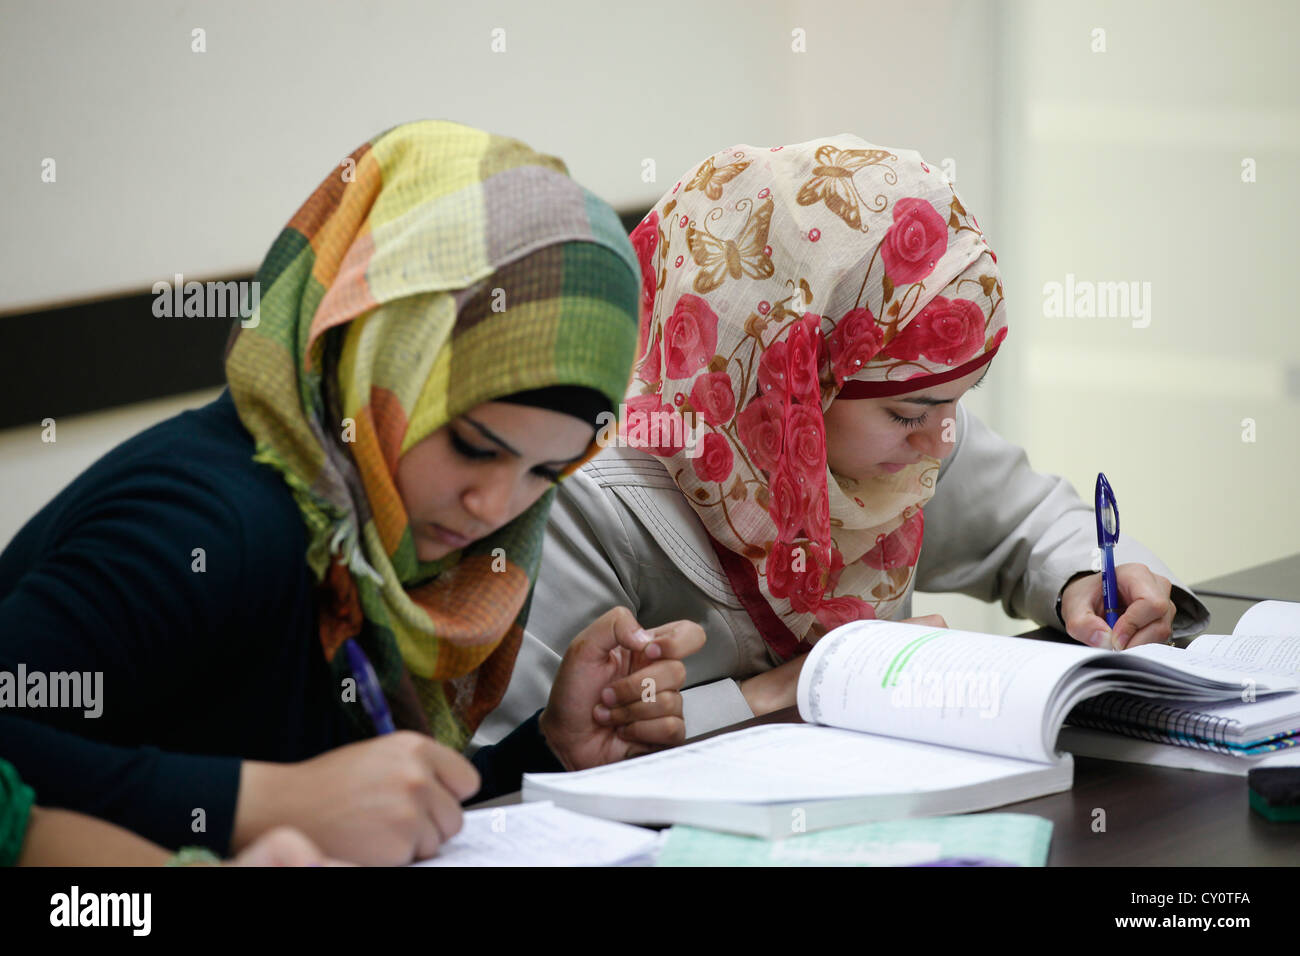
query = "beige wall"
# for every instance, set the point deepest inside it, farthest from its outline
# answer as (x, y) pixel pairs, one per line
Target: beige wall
(1127, 166)
(1122, 165)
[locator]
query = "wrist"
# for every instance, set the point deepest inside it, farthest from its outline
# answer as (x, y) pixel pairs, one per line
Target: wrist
(1060, 595)
(263, 789)
(550, 737)
(753, 690)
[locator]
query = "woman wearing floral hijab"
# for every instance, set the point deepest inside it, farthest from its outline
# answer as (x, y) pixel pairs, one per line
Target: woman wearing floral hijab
(440, 326)
(815, 313)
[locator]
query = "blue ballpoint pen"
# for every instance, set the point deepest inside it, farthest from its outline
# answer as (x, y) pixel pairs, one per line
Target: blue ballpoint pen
(372, 696)
(1107, 538)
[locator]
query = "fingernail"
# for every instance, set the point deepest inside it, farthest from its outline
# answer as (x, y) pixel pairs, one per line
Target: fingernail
(1100, 639)
(602, 713)
(608, 696)
(642, 636)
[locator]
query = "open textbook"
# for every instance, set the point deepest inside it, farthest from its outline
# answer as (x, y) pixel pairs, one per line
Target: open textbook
(902, 720)
(1230, 736)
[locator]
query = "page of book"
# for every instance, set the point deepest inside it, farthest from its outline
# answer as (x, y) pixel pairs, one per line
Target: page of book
(979, 692)
(1273, 653)
(1271, 619)
(1200, 665)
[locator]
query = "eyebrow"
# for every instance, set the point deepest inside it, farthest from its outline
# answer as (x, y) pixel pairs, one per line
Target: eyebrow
(938, 401)
(493, 436)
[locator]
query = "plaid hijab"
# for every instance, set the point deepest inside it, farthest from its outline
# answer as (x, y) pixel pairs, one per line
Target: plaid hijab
(776, 280)
(437, 268)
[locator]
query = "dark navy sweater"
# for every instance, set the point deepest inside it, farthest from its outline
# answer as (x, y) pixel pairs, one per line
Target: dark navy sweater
(201, 668)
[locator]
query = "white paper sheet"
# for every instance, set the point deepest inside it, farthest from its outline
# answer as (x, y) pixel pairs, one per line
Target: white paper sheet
(542, 834)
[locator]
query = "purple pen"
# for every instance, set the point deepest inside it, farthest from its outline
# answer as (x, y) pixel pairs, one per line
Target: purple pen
(1107, 537)
(372, 696)
(965, 861)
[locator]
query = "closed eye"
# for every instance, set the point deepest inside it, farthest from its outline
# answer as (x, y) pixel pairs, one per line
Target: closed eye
(472, 452)
(909, 422)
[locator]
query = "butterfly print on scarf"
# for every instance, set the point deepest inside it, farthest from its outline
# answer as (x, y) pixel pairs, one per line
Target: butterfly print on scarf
(832, 181)
(744, 255)
(711, 178)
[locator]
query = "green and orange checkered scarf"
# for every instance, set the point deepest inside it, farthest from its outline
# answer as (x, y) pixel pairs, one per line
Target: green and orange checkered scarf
(366, 341)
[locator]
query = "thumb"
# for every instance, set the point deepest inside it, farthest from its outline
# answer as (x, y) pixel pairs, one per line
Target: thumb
(616, 628)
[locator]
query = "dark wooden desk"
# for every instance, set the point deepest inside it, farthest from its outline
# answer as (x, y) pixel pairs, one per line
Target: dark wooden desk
(1277, 580)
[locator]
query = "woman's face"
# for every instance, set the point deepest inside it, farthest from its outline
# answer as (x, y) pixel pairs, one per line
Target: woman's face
(482, 470)
(871, 437)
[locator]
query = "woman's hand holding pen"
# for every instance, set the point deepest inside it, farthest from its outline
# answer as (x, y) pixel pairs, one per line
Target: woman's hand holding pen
(1148, 616)
(618, 690)
(380, 802)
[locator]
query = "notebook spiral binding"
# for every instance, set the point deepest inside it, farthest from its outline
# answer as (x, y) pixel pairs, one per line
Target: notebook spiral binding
(1145, 719)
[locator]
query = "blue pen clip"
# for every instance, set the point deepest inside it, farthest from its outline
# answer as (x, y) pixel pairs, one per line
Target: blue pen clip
(1107, 538)
(372, 695)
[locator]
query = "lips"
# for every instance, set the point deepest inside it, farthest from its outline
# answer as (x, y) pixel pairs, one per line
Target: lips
(449, 537)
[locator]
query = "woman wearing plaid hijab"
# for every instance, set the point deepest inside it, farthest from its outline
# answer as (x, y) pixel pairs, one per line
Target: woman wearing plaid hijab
(792, 435)
(440, 326)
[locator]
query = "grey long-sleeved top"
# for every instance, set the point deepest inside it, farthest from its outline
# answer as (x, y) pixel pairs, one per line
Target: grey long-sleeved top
(621, 533)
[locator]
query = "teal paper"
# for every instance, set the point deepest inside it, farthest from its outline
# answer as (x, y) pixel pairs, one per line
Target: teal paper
(1011, 837)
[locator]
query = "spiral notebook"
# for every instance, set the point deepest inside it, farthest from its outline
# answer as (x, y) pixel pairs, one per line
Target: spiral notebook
(1267, 640)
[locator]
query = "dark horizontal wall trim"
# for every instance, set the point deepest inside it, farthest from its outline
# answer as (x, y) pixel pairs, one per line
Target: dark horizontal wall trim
(96, 355)
(112, 351)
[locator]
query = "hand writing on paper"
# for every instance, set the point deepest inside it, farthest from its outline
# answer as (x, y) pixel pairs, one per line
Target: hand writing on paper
(779, 687)
(1148, 614)
(379, 802)
(618, 691)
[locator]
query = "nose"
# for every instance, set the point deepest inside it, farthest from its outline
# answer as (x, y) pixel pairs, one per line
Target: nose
(488, 500)
(930, 440)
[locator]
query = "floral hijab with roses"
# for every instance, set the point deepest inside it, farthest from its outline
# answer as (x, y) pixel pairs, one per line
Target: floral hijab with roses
(774, 281)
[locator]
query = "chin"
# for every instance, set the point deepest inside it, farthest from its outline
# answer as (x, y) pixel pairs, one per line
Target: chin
(428, 551)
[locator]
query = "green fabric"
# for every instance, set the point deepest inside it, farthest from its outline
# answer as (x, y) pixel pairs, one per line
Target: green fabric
(16, 800)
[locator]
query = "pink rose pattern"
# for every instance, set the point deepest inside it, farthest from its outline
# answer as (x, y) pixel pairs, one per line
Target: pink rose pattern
(949, 332)
(854, 343)
(645, 240)
(713, 398)
(901, 547)
(762, 403)
(714, 464)
(690, 336)
(915, 242)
